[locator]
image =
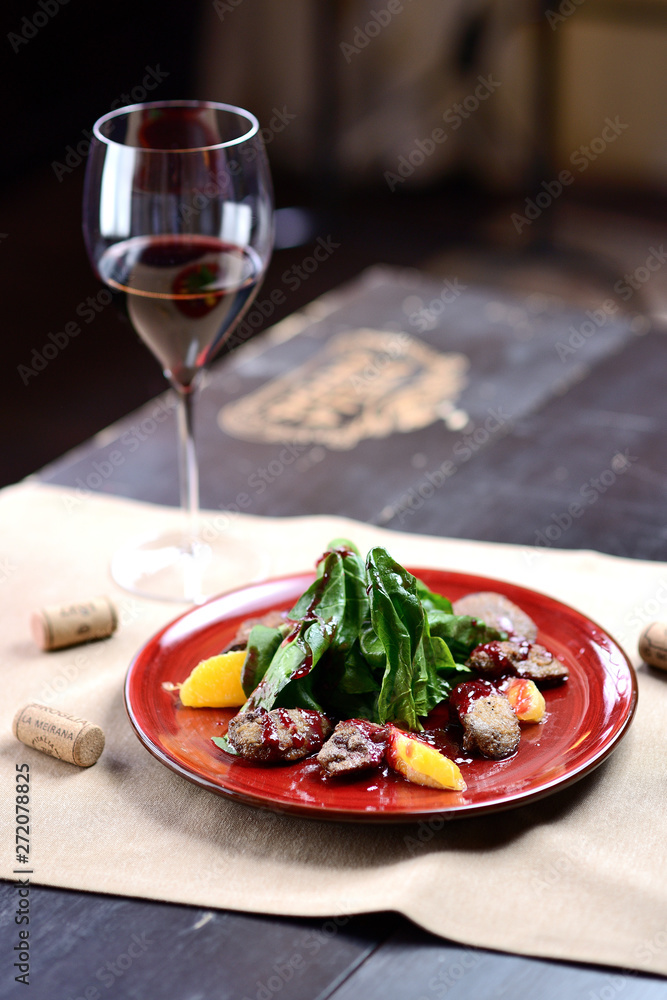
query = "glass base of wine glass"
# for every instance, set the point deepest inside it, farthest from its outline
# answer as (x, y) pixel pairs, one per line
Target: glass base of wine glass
(170, 567)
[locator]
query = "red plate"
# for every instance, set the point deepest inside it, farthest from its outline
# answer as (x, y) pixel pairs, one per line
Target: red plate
(586, 717)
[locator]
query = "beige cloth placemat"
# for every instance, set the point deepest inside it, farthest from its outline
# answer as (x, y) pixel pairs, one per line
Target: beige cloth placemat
(579, 876)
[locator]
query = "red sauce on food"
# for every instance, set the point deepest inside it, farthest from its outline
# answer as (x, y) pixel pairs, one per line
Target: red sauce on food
(501, 662)
(466, 694)
(313, 736)
(377, 735)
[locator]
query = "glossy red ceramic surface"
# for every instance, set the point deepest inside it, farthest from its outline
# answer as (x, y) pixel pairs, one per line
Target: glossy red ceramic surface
(586, 717)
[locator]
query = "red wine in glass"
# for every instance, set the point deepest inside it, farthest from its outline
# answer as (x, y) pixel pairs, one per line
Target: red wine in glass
(184, 295)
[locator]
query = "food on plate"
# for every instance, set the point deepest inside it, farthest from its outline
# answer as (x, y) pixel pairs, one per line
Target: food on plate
(262, 644)
(284, 734)
(526, 699)
(356, 745)
(524, 659)
(366, 640)
(214, 683)
(422, 764)
(498, 612)
(367, 652)
(273, 619)
(490, 725)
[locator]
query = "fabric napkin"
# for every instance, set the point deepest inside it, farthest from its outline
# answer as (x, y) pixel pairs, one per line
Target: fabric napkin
(577, 876)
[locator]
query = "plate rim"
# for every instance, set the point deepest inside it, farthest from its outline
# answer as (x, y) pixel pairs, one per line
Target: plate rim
(320, 812)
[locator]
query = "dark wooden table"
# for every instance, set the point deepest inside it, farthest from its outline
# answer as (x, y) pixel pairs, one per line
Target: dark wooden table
(567, 421)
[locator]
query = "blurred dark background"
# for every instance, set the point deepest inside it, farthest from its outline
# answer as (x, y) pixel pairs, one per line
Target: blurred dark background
(353, 94)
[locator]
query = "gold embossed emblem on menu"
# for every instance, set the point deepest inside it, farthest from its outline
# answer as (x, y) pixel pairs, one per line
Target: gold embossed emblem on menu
(363, 384)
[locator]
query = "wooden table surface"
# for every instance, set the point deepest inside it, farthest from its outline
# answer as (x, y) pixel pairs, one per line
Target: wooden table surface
(554, 428)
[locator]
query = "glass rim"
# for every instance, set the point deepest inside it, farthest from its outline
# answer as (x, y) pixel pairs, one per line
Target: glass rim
(110, 115)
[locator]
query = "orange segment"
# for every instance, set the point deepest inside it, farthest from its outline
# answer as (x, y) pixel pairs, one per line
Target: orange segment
(215, 682)
(526, 699)
(422, 764)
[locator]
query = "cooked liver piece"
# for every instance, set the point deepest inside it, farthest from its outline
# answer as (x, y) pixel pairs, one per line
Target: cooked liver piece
(491, 727)
(283, 734)
(529, 660)
(356, 745)
(499, 612)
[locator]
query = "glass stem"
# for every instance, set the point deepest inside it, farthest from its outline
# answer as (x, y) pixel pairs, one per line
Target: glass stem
(187, 462)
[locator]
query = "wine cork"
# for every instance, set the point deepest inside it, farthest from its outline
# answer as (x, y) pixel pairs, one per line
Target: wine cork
(653, 645)
(62, 625)
(59, 734)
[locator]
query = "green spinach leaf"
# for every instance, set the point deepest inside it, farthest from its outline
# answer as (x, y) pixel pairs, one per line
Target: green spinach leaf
(398, 620)
(329, 614)
(263, 643)
(461, 632)
(431, 601)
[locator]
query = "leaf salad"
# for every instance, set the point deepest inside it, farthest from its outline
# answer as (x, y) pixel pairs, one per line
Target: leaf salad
(366, 640)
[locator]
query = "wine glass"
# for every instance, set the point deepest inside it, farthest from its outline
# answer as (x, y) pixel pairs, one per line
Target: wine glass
(178, 221)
